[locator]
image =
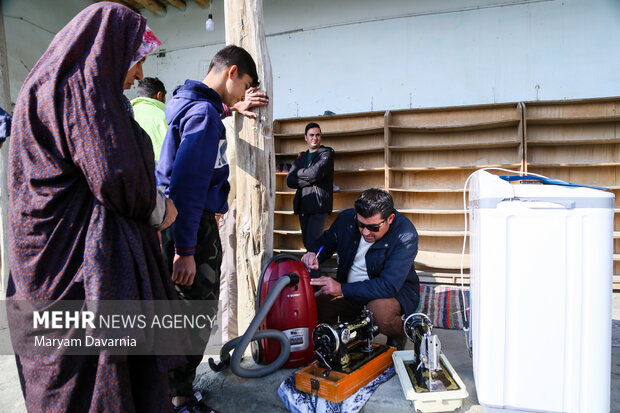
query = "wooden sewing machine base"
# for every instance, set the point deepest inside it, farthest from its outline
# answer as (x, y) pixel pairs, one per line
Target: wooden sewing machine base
(337, 386)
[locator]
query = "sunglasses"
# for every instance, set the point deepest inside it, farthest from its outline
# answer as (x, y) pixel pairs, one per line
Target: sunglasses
(370, 227)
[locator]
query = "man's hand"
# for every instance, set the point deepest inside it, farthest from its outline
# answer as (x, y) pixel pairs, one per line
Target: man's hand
(171, 215)
(328, 285)
(310, 261)
(183, 269)
(252, 99)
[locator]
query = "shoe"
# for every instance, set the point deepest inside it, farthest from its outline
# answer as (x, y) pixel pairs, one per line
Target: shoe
(398, 342)
(279, 167)
(196, 403)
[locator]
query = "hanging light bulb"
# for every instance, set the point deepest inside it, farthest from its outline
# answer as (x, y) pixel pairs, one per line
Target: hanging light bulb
(209, 24)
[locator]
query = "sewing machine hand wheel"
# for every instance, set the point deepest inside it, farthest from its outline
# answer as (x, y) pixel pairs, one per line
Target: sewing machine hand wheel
(417, 321)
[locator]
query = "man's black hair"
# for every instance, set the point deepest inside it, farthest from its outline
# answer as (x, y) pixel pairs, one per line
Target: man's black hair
(374, 201)
(235, 55)
(310, 126)
(149, 86)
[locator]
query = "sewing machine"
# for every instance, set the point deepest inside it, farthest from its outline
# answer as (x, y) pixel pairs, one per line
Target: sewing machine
(334, 348)
(347, 359)
(426, 348)
(425, 374)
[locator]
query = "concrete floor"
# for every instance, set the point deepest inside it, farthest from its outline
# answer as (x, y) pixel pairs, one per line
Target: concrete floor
(229, 393)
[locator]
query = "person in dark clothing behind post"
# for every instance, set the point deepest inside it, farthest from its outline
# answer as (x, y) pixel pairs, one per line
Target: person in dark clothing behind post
(312, 175)
(5, 126)
(376, 247)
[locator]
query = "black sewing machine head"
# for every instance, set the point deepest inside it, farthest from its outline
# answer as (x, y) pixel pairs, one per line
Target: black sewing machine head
(427, 349)
(343, 346)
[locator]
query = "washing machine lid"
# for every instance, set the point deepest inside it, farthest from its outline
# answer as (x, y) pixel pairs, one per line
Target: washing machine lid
(488, 191)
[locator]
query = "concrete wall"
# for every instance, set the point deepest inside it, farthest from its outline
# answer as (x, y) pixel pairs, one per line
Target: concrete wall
(30, 26)
(362, 55)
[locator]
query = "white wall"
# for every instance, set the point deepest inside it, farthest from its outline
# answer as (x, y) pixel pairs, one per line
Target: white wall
(30, 26)
(362, 55)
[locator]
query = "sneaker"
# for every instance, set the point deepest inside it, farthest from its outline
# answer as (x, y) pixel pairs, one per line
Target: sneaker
(398, 342)
(196, 403)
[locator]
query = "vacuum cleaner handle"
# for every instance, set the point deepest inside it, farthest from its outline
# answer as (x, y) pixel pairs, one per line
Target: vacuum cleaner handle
(276, 258)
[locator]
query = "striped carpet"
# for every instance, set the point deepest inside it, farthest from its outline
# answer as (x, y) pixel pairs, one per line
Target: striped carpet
(443, 305)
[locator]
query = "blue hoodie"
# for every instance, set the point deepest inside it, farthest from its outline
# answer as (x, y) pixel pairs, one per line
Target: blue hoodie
(192, 166)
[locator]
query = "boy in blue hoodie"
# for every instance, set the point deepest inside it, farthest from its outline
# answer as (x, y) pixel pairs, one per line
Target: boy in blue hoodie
(194, 173)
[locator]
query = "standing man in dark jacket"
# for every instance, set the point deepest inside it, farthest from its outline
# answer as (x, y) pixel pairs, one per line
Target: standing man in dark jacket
(376, 247)
(312, 175)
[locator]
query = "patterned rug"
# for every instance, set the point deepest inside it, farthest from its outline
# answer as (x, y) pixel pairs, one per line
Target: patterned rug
(444, 305)
(300, 402)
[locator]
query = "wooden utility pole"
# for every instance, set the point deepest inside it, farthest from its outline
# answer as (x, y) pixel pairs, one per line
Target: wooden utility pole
(5, 103)
(255, 159)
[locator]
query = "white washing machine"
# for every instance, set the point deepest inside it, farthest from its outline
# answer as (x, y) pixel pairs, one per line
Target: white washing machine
(541, 289)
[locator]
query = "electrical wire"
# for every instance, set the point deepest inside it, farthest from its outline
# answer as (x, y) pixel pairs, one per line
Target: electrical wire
(30, 23)
(465, 317)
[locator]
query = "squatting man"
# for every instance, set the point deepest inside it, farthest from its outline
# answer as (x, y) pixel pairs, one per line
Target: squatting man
(376, 248)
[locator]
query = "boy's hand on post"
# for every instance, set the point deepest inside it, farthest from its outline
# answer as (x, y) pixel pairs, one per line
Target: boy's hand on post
(328, 285)
(252, 99)
(310, 261)
(183, 269)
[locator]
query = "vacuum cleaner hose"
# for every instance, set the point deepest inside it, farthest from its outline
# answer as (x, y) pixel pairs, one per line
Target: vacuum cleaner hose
(239, 344)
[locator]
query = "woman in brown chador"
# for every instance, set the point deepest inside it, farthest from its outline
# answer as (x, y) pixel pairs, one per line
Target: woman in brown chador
(81, 192)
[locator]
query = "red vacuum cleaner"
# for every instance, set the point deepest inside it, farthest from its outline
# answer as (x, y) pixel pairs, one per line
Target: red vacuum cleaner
(281, 331)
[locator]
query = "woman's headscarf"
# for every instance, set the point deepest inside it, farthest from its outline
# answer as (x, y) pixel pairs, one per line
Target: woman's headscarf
(149, 43)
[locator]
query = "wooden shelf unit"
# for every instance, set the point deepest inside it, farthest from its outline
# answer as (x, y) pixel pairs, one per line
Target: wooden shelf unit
(579, 142)
(424, 156)
(430, 153)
